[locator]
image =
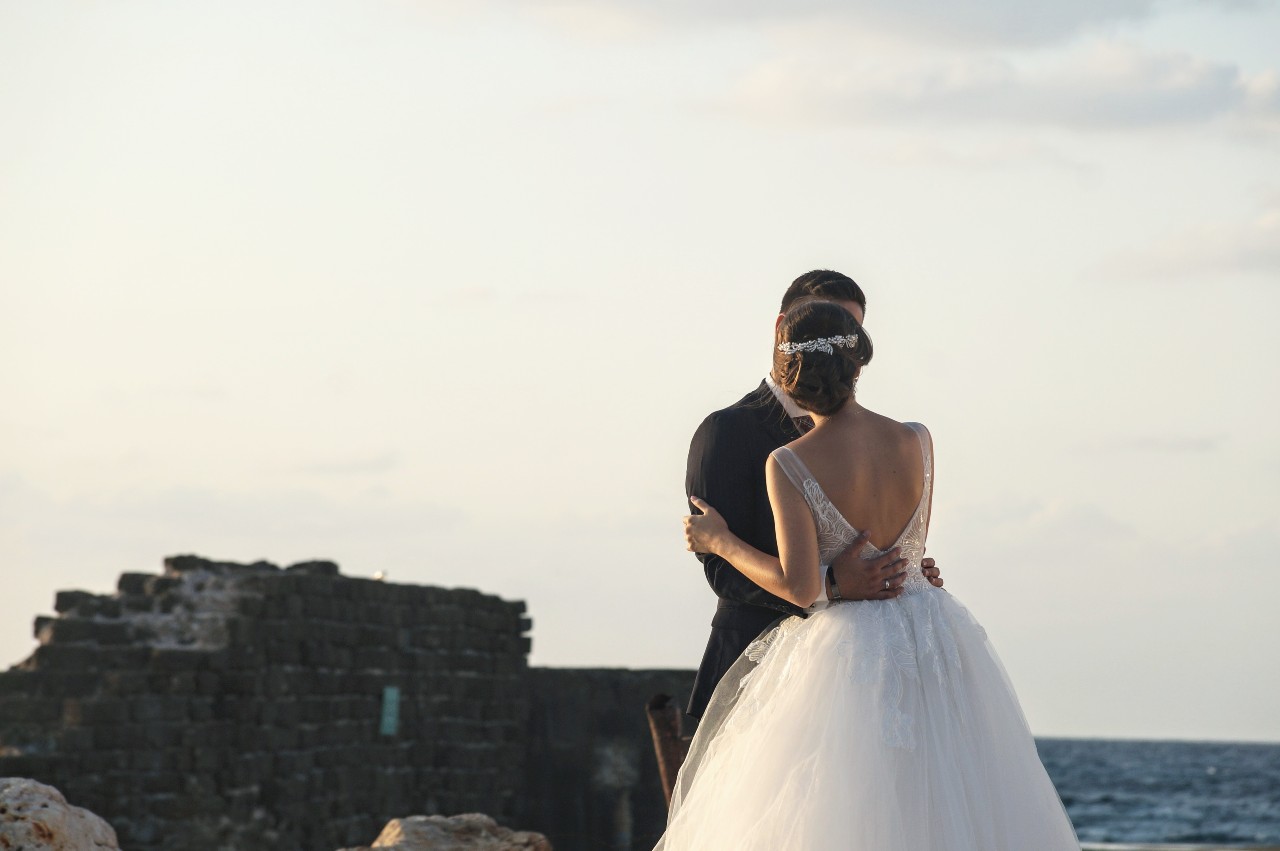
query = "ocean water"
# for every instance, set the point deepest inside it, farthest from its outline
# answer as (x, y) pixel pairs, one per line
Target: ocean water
(1174, 792)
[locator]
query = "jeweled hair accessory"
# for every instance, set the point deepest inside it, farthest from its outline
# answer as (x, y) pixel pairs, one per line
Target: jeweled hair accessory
(822, 344)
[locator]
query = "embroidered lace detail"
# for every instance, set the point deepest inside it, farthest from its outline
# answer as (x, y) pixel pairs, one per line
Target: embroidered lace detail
(757, 649)
(833, 529)
(885, 654)
(835, 532)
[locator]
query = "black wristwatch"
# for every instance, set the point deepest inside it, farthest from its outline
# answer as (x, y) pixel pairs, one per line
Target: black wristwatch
(833, 589)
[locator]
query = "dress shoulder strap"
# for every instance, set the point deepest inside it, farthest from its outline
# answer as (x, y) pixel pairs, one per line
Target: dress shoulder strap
(795, 469)
(926, 453)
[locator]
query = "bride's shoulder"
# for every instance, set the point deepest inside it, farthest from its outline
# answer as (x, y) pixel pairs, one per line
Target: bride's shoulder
(903, 429)
(906, 437)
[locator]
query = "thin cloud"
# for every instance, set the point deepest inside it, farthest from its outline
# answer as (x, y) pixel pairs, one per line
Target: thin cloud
(1249, 248)
(986, 22)
(1111, 86)
(1238, 5)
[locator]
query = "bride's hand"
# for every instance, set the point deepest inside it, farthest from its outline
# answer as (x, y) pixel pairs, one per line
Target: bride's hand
(705, 532)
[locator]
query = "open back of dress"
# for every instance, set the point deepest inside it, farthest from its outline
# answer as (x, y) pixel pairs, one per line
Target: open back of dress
(836, 533)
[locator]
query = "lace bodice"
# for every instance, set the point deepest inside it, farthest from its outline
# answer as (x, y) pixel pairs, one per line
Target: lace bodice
(835, 533)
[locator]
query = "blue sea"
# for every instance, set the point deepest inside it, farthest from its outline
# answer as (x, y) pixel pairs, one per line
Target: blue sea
(1168, 792)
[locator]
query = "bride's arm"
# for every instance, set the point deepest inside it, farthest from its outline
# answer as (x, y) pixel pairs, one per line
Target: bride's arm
(860, 579)
(799, 574)
(709, 533)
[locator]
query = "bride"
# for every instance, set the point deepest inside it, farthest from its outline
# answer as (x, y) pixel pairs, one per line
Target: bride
(869, 725)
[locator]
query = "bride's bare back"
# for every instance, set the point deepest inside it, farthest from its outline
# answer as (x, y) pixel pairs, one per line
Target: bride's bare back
(871, 469)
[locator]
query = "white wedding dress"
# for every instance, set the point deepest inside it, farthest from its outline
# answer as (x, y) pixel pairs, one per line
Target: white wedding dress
(867, 726)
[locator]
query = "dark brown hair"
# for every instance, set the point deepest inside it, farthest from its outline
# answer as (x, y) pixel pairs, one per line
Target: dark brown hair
(823, 284)
(819, 381)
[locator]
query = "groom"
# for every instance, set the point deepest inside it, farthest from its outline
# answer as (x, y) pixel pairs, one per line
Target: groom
(726, 469)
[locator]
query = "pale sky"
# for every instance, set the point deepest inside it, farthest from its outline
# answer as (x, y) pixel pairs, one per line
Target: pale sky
(443, 289)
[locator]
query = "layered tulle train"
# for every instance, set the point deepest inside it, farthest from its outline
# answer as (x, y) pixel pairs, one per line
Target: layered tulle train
(869, 726)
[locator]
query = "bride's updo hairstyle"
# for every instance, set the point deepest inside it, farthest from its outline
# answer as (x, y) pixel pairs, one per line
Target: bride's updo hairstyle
(818, 380)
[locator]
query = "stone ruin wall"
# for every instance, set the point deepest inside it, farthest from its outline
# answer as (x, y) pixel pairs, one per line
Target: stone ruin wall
(226, 707)
(246, 706)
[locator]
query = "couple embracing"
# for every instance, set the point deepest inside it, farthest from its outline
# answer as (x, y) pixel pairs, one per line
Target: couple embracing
(847, 702)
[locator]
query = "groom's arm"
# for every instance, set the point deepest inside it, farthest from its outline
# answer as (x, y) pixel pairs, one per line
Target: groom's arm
(721, 470)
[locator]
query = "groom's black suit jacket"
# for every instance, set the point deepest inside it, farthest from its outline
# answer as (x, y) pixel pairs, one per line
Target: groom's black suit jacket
(726, 468)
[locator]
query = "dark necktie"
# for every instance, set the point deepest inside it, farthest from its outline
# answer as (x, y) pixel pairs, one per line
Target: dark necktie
(803, 424)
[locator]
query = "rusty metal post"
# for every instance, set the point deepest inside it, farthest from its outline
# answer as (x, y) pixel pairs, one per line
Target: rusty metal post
(671, 747)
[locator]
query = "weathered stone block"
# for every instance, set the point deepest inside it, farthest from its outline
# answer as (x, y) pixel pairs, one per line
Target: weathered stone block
(250, 606)
(184, 563)
(182, 683)
(146, 709)
(128, 658)
(66, 601)
(137, 602)
(37, 817)
(64, 656)
(95, 761)
(470, 832)
(208, 683)
(239, 683)
(117, 683)
(170, 660)
(42, 628)
(133, 583)
(17, 709)
(95, 711)
(157, 585)
(221, 659)
(208, 759)
(172, 807)
(148, 761)
(200, 709)
(120, 737)
(18, 682)
(179, 760)
(109, 632)
(316, 568)
(68, 683)
(287, 652)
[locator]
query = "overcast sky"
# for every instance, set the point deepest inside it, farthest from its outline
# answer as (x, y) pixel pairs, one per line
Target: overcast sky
(443, 289)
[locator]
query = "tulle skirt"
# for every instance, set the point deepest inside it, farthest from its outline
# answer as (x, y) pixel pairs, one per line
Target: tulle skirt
(868, 726)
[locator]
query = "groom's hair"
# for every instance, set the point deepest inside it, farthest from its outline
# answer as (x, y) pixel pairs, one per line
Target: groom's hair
(822, 284)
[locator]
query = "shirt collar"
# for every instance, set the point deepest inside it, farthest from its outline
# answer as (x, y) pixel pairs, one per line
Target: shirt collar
(788, 404)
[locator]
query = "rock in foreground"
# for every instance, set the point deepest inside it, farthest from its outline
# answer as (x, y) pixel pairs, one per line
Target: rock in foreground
(469, 832)
(36, 817)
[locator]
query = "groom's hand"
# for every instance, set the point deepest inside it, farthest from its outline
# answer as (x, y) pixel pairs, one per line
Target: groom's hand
(931, 572)
(878, 578)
